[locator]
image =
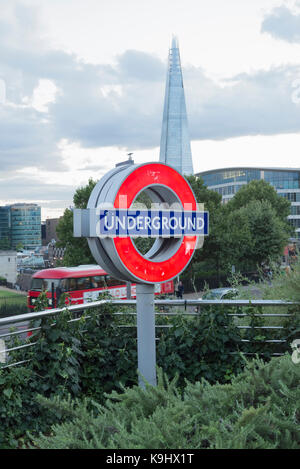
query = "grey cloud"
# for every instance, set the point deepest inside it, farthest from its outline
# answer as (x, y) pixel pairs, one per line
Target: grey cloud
(142, 66)
(283, 24)
(93, 167)
(259, 103)
(121, 105)
(25, 188)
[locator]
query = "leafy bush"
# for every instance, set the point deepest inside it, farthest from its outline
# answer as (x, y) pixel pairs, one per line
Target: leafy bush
(200, 347)
(110, 352)
(97, 353)
(258, 410)
(3, 281)
(14, 385)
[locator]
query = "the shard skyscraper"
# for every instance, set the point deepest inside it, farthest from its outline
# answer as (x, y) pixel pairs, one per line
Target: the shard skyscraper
(175, 148)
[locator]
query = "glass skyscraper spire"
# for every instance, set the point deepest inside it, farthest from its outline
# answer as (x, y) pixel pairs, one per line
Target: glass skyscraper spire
(175, 148)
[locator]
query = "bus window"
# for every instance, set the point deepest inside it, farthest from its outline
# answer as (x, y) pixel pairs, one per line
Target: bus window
(111, 282)
(64, 285)
(47, 283)
(98, 281)
(84, 283)
(36, 284)
(72, 284)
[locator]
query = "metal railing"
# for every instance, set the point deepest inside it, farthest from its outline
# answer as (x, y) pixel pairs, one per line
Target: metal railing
(190, 308)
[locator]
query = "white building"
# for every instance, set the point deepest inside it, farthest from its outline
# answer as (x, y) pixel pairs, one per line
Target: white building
(8, 266)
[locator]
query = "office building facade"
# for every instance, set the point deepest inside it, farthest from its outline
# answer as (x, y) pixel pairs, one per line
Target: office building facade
(175, 148)
(5, 225)
(286, 182)
(20, 224)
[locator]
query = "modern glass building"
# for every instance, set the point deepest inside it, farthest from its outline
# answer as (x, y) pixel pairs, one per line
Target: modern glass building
(175, 148)
(21, 224)
(228, 181)
(5, 225)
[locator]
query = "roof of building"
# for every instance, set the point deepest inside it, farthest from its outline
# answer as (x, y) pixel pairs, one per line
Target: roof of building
(234, 168)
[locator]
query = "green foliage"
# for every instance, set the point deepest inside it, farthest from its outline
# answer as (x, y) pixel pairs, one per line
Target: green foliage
(14, 386)
(212, 250)
(256, 233)
(250, 229)
(199, 347)
(12, 303)
(258, 410)
(260, 191)
(284, 286)
(110, 355)
(3, 281)
(57, 354)
(92, 355)
(77, 250)
(5, 244)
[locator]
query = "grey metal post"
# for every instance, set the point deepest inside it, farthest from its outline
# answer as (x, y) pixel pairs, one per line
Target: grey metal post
(128, 290)
(146, 333)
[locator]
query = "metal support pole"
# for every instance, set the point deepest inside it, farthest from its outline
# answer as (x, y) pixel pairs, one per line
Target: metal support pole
(146, 333)
(128, 290)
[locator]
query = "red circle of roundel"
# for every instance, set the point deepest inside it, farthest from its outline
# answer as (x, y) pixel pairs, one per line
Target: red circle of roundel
(142, 268)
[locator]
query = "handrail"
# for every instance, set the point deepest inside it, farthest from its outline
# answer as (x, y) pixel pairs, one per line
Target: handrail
(93, 304)
(27, 317)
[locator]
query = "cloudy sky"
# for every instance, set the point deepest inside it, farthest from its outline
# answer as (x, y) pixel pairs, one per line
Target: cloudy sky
(82, 84)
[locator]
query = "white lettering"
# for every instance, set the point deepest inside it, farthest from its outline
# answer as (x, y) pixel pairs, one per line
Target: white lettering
(147, 223)
(154, 224)
(182, 223)
(164, 223)
(200, 223)
(106, 225)
(191, 223)
(131, 219)
(139, 223)
(122, 222)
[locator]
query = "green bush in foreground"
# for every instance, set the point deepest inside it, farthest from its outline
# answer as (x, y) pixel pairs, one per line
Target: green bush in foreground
(258, 410)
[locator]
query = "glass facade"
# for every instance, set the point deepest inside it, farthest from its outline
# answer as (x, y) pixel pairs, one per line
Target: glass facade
(5, 241)
(291, 196)
(283, 179)
(175, 148)
(286, 182)
(21, 224)
(295, 210)
(227, 176)
(295, 222)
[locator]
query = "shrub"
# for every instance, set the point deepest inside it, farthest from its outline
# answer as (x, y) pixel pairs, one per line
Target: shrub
(201, 347)
(110, 352)
(3, 281)
(93, 355)
(14, 385)
(258, 410)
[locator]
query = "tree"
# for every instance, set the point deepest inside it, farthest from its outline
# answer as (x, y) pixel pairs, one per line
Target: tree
(212, 255)
(4, 244)
(262, 191)
(257, 227)
(250, 229)
(255, 234)
(77, 250)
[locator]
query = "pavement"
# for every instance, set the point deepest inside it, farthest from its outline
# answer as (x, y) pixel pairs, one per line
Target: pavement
(13, 290)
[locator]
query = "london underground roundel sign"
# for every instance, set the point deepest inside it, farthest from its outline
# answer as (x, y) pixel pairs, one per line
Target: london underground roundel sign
(113, 218)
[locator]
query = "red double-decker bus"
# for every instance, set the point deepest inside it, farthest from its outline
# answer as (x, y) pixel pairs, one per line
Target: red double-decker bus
(81, 284)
